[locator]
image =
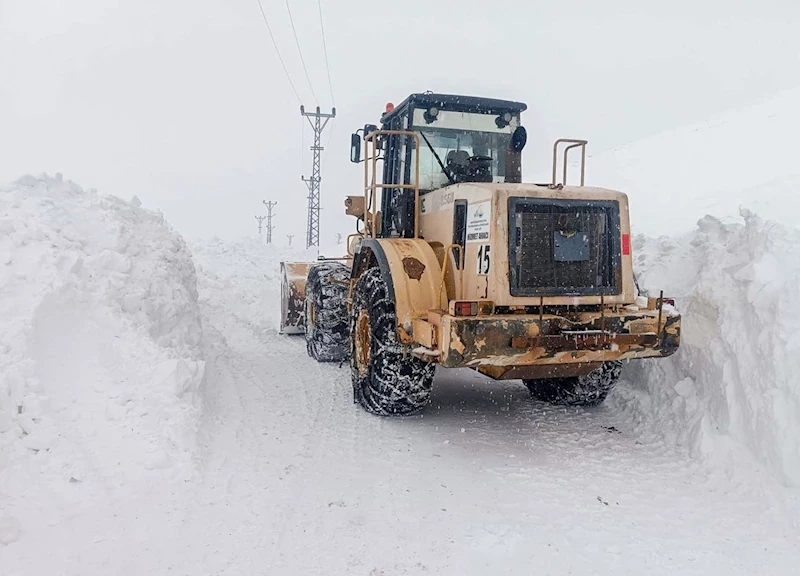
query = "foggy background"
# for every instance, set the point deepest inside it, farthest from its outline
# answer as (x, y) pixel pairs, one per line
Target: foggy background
(184, 103)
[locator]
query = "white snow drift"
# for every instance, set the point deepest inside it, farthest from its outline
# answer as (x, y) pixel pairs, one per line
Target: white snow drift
(100, 357)
(243, 276)
(105, 464)
(737, 374)
(736, 380)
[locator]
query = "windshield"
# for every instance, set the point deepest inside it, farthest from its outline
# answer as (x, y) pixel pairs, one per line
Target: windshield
(456, 137)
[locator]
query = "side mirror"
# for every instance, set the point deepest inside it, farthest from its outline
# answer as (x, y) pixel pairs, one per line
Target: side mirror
(355, 148)
(519, 138)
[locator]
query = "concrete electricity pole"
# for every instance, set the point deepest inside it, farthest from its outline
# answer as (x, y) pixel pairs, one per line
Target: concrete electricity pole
(260, 220)
(290, 236)
(270, 205)
(317, 125)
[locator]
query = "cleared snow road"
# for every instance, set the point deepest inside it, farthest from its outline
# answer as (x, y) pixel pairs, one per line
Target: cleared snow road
(295, 479)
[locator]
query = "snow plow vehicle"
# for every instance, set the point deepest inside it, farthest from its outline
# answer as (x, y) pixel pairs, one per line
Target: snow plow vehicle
(457, 263)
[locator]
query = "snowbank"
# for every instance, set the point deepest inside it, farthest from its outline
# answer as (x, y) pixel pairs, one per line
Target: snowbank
(244, 277)
(735, 382)
(100, 341)
(743, 157)
(737, 374)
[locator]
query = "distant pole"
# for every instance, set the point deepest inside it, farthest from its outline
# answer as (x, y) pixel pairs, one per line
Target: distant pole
(317, 125)
(260, 220)
(290, 236)
(270, 205)
(338, 237)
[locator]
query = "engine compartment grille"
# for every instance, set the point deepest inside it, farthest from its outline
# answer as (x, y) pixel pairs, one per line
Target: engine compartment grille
(564, 247)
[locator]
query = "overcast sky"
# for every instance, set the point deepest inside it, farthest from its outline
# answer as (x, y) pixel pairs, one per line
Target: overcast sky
(184, 103)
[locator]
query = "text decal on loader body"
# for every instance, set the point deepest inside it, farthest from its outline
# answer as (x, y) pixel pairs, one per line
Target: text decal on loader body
(479, 216)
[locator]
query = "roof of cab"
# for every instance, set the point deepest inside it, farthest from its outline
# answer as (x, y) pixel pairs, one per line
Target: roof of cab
(457, 103)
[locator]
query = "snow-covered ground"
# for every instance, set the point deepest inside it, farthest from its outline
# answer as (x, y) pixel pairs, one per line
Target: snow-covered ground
(485, 481)
(100, 366)
(732, 392)
(120, 458)
(715, 205)
(153, 421)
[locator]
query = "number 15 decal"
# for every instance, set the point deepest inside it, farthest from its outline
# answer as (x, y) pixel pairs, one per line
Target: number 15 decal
(483, 260)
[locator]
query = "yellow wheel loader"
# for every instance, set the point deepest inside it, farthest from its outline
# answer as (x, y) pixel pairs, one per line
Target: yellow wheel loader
(455, 262)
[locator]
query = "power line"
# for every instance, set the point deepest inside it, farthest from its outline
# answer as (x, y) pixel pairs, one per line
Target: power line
(302, 140)
(302, 60)
(325, 49)
(278, 52)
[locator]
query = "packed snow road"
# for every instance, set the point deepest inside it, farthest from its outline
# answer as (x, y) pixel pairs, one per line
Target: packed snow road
(485, 482)
(295, 479)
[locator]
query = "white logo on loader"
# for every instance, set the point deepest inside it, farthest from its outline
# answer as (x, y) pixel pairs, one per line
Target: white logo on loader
(478, 219)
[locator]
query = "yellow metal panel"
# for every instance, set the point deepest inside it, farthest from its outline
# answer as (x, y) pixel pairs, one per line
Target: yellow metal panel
(417, 278)
(436, 222)
(424, 333)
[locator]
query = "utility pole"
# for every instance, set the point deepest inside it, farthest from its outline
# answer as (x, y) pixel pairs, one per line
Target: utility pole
(317, 125)
(260, 220)
(290, 236)
(270, 205)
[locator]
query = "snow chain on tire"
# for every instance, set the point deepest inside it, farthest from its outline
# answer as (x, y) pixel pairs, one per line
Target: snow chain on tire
(387, 380)
(327, 334)
(588, 390)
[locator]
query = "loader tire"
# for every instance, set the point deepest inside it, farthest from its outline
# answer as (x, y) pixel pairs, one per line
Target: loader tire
(327, 334)
(387, 380)
(588, 390)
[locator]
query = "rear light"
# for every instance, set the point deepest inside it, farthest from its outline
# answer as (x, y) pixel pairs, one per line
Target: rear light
(472, 308)
(670, 301)
(626, 244)
(465, 309)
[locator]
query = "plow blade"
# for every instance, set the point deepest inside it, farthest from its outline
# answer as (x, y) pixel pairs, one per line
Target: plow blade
(293, 296)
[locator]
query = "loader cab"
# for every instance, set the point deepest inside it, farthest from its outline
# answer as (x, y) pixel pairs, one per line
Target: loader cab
(460, 139)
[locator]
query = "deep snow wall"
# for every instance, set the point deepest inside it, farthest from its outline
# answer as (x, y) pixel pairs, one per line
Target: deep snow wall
(100, 345)
(735, 381)
(246, 273)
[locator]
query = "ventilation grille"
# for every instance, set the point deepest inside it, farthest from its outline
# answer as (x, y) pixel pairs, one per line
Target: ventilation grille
(564, 248)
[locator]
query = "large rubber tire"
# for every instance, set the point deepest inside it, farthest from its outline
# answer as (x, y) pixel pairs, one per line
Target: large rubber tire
(387, 380)
(326, 321)
(588, 390)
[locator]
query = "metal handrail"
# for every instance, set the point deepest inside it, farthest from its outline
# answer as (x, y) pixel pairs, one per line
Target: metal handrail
(572, 144)
(350, 253)
(371, 186)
